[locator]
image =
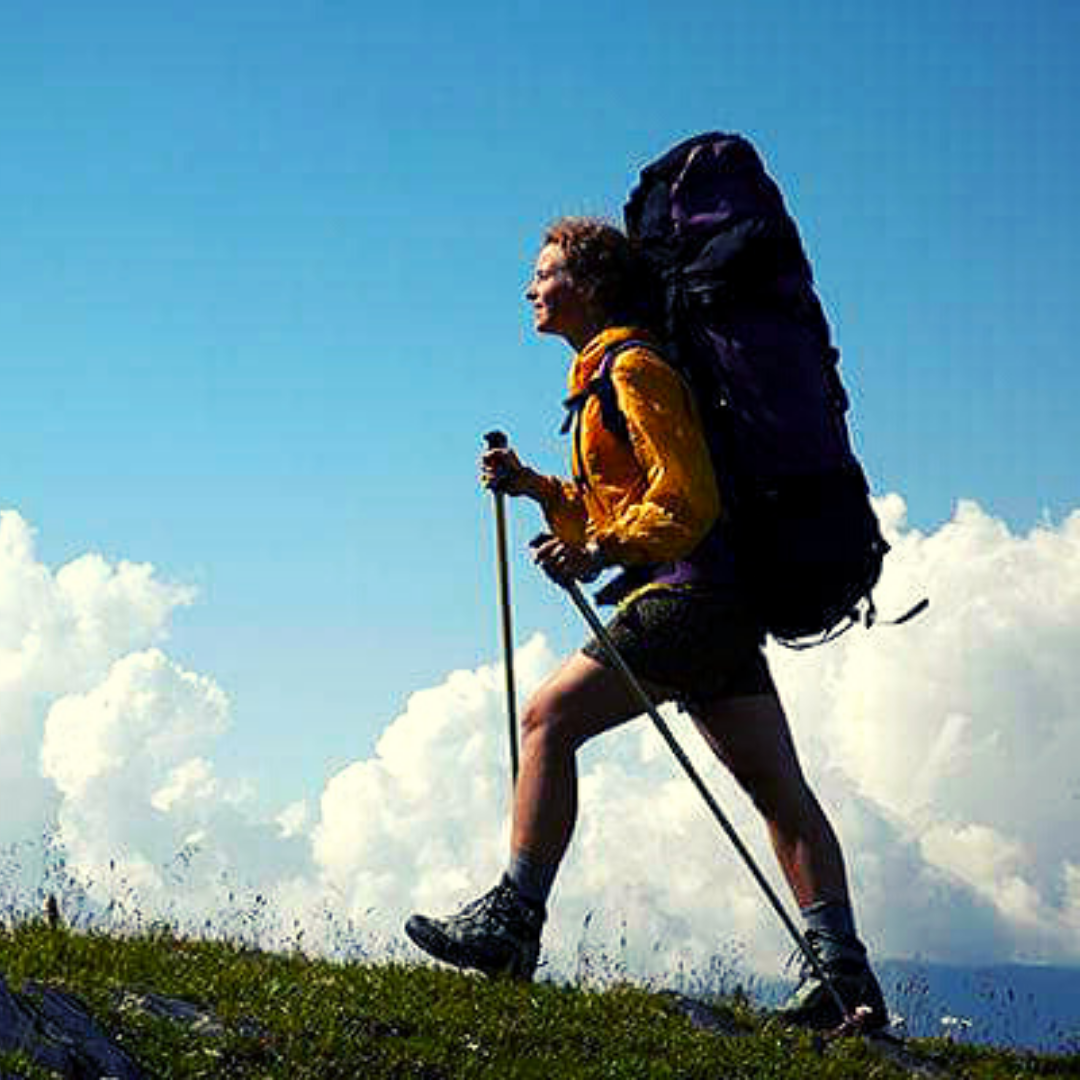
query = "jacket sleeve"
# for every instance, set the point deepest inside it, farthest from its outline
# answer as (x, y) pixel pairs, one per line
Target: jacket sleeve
(564, 509)
(679, 501)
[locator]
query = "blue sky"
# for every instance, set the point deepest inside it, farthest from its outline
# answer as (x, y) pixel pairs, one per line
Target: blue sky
(261, 277)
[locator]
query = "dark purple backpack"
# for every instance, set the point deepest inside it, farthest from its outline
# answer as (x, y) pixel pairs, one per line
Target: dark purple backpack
(744, 325)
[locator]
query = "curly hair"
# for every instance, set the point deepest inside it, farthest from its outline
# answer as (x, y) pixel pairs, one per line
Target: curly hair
(604, 260)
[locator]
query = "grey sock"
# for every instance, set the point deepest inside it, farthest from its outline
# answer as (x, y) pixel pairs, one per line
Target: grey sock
(532, 879)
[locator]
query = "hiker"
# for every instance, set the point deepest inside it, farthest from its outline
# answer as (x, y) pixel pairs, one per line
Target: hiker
(648, 504)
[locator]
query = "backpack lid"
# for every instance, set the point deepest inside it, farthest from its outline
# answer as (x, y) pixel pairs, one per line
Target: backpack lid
(701, 186)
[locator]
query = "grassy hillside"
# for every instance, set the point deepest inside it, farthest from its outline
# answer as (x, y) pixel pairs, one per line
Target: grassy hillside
(273, 1015)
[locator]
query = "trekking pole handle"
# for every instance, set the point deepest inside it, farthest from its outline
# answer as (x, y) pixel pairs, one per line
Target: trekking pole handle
(497, 440)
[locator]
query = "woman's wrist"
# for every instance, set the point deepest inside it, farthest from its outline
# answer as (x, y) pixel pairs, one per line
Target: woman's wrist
(597, 560)
(531, 484)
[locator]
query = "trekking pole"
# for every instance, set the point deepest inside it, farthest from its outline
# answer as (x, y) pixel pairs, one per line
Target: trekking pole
(645, 701)
(496, 440)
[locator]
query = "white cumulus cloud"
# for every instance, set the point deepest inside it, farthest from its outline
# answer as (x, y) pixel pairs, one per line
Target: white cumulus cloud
(59, 633)
(944, 751)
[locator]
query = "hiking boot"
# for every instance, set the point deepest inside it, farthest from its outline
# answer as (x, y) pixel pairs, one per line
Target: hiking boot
(844, 961)
(499, 934)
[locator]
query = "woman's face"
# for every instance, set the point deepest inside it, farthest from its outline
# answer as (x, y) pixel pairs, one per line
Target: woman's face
(560, 306)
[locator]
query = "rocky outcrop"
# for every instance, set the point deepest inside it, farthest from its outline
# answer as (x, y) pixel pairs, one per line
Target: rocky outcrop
(56, 1031)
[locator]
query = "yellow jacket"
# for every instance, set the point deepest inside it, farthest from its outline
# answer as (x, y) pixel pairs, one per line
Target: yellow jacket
(651, 500)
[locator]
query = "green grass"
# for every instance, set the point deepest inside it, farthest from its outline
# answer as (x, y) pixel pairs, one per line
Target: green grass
(286, 1015)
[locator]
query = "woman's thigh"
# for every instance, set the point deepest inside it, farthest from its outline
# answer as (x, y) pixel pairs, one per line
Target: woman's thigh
(584, 698)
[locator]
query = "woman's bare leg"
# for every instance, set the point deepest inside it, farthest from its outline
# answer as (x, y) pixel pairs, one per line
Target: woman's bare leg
(752, 738)
(580, 700)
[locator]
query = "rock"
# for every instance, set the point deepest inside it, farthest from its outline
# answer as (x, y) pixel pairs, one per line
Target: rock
(895, 1051)
(704, 1017)
(56, 1031)
(18, 1032)
(199, 1020)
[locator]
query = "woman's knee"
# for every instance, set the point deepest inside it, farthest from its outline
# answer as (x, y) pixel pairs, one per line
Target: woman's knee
(778, 795)
(549, 722)
(766, 790)
(787, 804)
(579, 701)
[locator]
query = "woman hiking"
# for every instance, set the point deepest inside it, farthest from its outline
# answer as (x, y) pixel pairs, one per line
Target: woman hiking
(644, 498)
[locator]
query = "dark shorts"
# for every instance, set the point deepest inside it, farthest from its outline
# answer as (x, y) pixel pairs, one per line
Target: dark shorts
(701, 646)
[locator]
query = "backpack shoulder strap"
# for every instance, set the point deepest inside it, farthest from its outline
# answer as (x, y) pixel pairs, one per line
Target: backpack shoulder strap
(602, 386)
